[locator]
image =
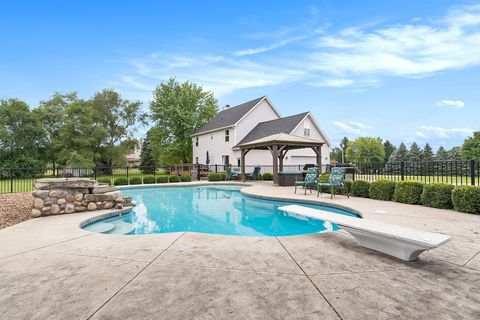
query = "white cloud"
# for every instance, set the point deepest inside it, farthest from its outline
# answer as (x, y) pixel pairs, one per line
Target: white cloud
(444, 133)
(333, 83)
(353, 127)
(451, 104)
(273, 46)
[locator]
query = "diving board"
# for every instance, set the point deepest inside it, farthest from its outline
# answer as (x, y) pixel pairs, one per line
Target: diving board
(401, 242)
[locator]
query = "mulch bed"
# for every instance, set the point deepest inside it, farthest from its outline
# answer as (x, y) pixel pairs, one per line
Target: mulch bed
(15, 208)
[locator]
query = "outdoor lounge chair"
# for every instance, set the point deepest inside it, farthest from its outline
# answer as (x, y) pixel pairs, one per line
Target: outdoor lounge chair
(335, 181)
(309, 181)
(398, 241)
(255, 173)
(230, 173)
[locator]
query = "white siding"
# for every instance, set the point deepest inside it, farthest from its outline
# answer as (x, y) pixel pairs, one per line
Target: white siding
(216, 146)
(263, 112)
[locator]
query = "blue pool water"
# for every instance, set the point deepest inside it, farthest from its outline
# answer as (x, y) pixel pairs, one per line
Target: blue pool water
(219, 209)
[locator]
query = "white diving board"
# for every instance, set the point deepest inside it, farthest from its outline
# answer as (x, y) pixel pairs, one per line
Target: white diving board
(401, 242)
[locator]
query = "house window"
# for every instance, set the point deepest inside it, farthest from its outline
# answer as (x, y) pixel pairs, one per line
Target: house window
(306, 130)
(226, 159)
(196, 142)
(238, 162)
(227, 135)
(196, 159)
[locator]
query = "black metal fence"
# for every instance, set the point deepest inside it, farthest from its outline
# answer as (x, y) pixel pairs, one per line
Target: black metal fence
(454, 172)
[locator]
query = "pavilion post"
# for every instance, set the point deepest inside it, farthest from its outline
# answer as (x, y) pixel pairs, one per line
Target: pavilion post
(243, 152)
(275, 164)
(319, 158)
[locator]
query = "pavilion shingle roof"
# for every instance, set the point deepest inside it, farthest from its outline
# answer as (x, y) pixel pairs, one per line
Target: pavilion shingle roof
(230, 116)
(268, 128)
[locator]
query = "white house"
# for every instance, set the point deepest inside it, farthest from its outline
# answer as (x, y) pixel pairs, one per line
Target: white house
(253, 120)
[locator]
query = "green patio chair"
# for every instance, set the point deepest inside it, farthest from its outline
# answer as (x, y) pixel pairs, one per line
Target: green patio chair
(230, 173)
(255, 173)
(335, 181)
(310, 180)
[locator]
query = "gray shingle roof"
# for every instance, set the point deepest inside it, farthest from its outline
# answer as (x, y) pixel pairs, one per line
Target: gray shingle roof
(229, 117)
(267, 128)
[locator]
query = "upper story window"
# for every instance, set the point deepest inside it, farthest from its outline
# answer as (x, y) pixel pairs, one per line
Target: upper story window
(306, 130)
(196, 142)
(227, 135)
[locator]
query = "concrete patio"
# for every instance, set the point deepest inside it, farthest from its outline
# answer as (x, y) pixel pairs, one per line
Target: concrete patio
(52, 269)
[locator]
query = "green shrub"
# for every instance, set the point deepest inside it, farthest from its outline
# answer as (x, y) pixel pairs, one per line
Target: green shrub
(323, 178)
(136, 180)
(120, 181)
(360, 188)
(348, 185)
(214, 177)
(149, 179)
(174, 178)
(186, 178)
(105, 180)
(224, 176)
(382, 190)
(437, 195)
(466, 199)
(408, 192)
(267, 176)
(162, 179)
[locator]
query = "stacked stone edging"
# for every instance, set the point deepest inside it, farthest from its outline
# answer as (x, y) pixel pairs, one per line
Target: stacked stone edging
(69, 195)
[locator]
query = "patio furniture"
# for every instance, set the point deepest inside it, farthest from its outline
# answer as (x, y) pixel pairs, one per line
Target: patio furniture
(309, 181)
(255, 173)
(335, 181)
(397, 241)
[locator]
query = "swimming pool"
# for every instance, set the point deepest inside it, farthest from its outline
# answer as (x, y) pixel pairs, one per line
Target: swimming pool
(218, 209)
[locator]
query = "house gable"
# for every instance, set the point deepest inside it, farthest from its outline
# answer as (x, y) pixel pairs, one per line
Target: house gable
(310, 122)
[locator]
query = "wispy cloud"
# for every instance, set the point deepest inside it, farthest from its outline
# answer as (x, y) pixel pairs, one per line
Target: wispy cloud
(444, 133)
(456, 104)
(273, 46)
(352, 127)
(357, 57)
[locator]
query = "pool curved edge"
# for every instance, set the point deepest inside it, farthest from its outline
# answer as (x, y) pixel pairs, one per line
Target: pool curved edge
(245, 191)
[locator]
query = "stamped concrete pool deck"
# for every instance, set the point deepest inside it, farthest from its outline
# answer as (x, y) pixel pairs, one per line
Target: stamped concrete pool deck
(52, 269)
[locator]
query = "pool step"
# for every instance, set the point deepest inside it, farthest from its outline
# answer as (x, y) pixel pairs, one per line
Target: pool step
(121, 227)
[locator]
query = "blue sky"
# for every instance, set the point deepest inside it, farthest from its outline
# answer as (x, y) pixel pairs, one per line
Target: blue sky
(402, 70)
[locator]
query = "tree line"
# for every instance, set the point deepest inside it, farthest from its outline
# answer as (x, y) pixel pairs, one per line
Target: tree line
(66, 130)
(375, 150)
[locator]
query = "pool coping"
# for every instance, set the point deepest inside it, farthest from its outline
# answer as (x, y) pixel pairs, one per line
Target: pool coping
(120, 212)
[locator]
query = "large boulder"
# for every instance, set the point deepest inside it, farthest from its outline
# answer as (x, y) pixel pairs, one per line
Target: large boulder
(65, 183)
(109, 196)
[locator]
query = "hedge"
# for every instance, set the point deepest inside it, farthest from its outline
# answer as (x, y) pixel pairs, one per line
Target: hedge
(223, 175)
(162, 179)
(267, 176)
(466, 199)
(105, 180)
(382, 190)
(186, 178)
(136, 180)
(360, 188)
(149, 179)
(120, 181)
(214, 177)
(437, 195)
(174, 178)
(408, 192)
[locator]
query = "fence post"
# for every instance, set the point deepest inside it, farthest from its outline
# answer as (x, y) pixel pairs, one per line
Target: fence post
(95, 172)
(127, 172)
(402, 170)
(472, 172)
(216, 168)
(11, 180)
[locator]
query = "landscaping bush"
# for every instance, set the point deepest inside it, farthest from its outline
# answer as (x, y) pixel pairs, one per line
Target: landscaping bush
(437, 195)
(214, 177)
(174, 178)
(105, 180)
(267, 176)
(186, 178)
(136, 180)
(382, 190)
(466, 199)
(323, 178)
(162, 179)
(408, 192)
(224, 176)
(149, 179)
(360, 188)
(348, 185)
(120, 181)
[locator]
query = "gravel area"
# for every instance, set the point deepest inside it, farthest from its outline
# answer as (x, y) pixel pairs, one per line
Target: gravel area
(14, 208)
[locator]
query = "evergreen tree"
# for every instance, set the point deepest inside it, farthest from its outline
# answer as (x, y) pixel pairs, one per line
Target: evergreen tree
(147, 161)
(427, 154)
(389, 149)
(441, 154)
(402, 153)
(415, 152)
(455, 154)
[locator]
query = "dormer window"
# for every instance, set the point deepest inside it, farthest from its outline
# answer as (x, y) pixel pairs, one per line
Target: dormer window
(227, 135)
(306, 130)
